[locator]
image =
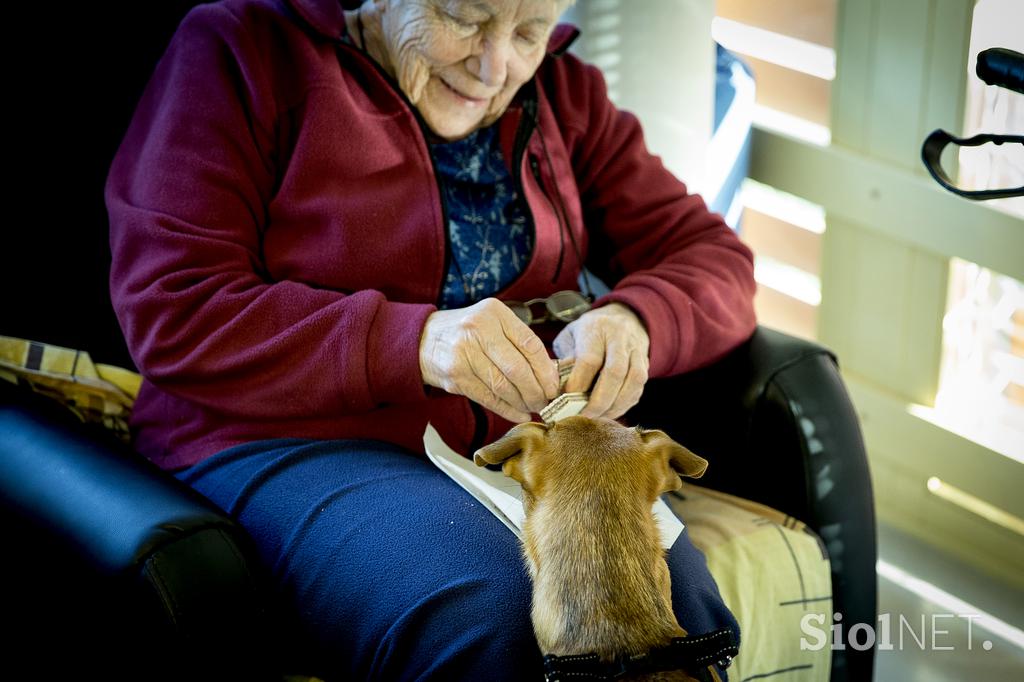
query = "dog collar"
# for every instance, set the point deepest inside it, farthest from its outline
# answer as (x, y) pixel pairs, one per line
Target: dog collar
(693, 654)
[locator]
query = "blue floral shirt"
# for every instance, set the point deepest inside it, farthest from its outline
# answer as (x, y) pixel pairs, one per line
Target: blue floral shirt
(490, 240)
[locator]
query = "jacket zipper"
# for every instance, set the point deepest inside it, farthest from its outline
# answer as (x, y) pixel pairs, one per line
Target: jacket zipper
(535, 167)
(523, 134)
(530, 108)
(524, 130)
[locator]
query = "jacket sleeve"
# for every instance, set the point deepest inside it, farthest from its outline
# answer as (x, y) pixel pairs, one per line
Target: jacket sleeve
(187, 196)
(679, 266)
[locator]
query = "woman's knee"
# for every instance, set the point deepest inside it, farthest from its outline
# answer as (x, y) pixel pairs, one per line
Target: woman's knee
(446, 620)
(472, 627)
(391, 571)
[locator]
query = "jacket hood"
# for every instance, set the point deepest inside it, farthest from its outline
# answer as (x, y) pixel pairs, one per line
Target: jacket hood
(327, 18)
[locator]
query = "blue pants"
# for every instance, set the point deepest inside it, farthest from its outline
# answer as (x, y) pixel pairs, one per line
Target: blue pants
(388, 570)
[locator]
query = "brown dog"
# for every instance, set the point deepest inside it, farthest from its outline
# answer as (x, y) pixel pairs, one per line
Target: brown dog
(600, 581)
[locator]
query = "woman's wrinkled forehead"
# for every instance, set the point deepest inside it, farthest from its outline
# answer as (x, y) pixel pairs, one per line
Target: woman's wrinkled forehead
(539, 11)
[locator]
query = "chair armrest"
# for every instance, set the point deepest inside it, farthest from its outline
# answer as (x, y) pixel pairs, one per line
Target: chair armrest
(777, 426)
(118, 559)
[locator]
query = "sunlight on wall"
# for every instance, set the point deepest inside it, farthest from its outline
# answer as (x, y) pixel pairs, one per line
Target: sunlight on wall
(981, 386)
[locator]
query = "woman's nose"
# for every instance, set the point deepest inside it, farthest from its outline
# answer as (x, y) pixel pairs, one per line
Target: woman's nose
(491, 65)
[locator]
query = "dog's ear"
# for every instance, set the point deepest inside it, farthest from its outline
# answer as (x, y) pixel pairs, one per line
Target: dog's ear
(674, 459)
(520, 439)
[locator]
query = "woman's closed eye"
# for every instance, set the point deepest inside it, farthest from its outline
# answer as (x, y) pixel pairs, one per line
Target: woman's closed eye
(528, 38)
(463, 24)
(468, 26)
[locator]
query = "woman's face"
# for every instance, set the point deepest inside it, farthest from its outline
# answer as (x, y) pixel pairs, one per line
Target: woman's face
(460, 62)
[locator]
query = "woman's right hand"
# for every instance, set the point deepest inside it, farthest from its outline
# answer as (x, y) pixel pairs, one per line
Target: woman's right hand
(489, 355)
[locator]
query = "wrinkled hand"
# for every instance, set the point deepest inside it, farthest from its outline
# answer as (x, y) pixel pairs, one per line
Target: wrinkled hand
(489, 355)
(611, 340)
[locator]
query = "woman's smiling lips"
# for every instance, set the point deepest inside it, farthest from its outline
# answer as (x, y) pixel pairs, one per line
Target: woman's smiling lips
(472, 101)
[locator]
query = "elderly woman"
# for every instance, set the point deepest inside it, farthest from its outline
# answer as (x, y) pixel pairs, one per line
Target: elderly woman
(320, 222)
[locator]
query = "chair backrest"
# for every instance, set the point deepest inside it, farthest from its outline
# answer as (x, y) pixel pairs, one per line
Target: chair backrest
(75, 93)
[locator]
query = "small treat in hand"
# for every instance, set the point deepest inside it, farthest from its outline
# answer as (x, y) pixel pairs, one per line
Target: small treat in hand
(565, 405)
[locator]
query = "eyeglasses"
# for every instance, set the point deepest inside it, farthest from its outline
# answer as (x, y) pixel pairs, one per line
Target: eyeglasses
(564, 306)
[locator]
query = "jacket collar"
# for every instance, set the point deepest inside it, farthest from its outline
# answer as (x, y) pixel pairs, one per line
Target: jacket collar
(327, 18)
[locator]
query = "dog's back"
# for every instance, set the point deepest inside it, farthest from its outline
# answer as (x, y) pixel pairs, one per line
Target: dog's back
(601, 584)
(601, 581)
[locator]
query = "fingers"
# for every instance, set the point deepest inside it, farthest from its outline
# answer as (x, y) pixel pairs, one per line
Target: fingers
(612, 348)
(515, 364)
(499, 368)
(477, 391)
(489, 355)
(474, 376)
(541, 386)
(589, 360)
(587, 351)
(609, 382)
(619, 386)
(564, 344)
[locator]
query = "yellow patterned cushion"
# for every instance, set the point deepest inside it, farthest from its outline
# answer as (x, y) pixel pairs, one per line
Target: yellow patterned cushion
(771, 570)
(94, 392)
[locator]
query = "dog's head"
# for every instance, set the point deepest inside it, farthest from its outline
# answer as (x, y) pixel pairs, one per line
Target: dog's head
(583, 453)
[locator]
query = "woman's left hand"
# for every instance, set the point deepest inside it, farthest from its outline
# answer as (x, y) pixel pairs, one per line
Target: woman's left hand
(611, 340)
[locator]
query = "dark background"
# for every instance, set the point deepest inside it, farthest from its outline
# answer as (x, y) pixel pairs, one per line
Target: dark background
(75, 72)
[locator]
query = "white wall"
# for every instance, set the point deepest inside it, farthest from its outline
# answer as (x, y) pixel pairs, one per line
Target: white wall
(658, 57)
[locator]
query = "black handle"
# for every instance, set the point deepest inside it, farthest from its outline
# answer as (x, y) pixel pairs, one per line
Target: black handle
(1002, 67)
(931, 153)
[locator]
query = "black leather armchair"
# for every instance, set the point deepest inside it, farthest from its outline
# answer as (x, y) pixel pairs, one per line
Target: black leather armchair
(113, 558)
(115, 568)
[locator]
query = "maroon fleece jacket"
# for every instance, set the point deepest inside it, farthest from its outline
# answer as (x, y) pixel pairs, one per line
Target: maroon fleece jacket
(278, 236)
